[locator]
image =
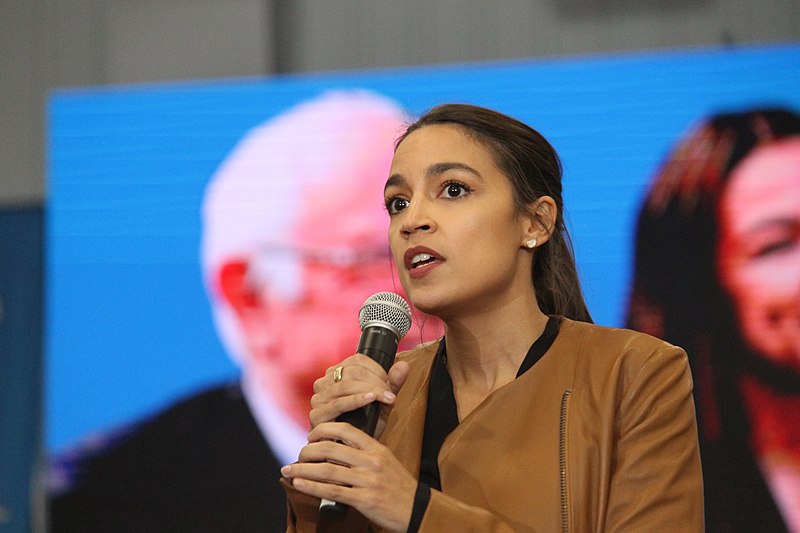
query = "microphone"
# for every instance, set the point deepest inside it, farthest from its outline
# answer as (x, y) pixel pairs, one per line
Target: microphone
(384, 318)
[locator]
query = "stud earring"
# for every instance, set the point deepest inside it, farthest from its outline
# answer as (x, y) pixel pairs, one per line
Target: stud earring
(531, 243)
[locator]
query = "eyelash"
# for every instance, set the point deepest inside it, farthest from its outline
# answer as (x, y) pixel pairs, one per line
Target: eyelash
(450, 183)
(774, 247)
(392, 209)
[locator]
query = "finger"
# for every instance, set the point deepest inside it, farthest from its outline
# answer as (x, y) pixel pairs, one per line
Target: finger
(349, 399)
(367, 363)
(335, 462)
(336, 492)
(361, 374)
(324, 451)
(369, 373)
(321, 473)
(351, 393)
(328, 379)
(327, 410)
(353, 380)
(329, 462)
(343, 432)
(398, 375)
(357, 367)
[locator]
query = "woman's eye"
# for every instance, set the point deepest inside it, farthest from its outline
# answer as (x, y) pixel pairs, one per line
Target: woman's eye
(777, 239)
(455, 190)
(396, 204)
(770, 248)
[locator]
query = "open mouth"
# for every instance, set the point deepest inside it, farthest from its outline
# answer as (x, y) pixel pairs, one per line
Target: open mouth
(419, 257)
(421, 260)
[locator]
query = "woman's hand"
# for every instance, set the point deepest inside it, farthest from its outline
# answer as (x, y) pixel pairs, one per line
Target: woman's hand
(343, 464)
(361, 382)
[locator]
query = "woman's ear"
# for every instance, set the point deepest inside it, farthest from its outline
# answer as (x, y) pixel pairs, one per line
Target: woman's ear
(236, 287)
(539, 221)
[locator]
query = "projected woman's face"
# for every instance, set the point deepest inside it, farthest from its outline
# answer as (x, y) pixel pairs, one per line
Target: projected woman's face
(759, 249)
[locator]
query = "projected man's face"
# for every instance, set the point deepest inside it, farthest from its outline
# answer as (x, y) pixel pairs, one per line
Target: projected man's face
(759, 250)
(340, 234)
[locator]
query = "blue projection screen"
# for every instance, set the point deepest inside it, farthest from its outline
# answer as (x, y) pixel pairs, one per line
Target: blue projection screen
(129, 327)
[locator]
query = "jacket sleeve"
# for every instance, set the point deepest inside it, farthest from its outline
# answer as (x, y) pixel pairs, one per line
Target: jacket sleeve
(300, 513)
(657, 482)
(446, 513)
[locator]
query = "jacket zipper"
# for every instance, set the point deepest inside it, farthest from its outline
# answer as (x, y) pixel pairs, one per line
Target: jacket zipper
(562, 460)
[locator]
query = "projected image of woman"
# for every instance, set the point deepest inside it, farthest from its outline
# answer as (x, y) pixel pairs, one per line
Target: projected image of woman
(718, 272)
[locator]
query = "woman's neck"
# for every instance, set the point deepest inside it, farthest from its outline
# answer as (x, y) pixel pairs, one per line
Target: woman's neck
(485, 349)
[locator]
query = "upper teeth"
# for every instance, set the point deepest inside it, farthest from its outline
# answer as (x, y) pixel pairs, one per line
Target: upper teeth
(421, 257)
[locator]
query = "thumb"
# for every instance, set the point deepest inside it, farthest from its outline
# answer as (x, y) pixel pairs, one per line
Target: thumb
(398, 375)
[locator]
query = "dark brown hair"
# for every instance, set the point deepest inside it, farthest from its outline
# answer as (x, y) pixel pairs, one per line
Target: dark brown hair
(534, 170)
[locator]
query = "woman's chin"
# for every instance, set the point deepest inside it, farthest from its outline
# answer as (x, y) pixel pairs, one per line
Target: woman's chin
(428, 304)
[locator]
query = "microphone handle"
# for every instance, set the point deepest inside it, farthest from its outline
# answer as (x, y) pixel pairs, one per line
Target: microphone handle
(380, 344)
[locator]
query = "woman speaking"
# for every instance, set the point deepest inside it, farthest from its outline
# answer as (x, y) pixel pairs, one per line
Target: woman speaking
(524, 416)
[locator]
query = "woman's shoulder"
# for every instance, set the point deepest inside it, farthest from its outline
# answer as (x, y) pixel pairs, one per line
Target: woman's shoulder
(616, 337)
(601, 355)
(604, 343)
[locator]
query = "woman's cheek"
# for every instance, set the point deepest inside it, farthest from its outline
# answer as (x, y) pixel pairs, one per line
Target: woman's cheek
(767, 300)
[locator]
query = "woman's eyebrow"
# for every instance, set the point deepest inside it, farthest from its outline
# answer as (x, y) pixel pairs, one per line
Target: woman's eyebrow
(440, 168)
(436, 169)
(395, 180)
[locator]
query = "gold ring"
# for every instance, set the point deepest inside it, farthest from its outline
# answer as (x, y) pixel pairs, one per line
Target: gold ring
(337, 374)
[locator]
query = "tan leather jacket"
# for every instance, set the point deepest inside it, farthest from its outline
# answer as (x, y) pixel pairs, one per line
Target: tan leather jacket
(599, 435)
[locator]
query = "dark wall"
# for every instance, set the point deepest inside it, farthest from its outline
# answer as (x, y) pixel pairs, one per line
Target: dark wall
(21, 317)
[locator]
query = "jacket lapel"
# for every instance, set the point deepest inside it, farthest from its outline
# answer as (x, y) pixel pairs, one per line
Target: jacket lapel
(407, 419)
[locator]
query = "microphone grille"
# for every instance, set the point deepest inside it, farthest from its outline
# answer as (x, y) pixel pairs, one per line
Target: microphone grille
(386, 309)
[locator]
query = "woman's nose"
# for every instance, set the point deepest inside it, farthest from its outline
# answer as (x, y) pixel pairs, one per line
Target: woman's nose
(417, 218)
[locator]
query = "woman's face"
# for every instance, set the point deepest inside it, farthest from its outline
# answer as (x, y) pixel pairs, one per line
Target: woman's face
(454, 230)
(759, 250)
